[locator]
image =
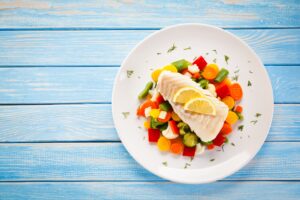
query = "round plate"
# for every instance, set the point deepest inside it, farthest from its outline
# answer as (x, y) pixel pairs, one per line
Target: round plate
(187, 41)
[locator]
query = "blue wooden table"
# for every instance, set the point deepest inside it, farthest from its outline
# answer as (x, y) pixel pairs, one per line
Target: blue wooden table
(58, 60)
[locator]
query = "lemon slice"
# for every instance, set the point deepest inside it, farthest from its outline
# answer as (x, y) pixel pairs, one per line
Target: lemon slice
(201, 105)
(185, 94)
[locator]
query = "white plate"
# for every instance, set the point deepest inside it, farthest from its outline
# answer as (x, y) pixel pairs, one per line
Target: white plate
(203, 40)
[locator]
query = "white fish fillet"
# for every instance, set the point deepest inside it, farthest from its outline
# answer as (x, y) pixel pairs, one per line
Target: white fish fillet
(206, 127)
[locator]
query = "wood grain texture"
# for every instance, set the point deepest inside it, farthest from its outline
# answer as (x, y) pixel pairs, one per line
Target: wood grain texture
(240, 190)
(133, 13)
(110, 161)
(109, 47)
(94, 84)
(57, 123)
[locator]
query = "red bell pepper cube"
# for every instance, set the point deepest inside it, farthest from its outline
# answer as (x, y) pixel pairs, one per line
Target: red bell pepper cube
(200, 62)
(223, 91)
(189, 151)
(219, 140)
(153, 135)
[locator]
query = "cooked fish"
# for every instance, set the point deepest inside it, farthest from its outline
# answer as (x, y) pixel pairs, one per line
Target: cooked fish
(206, 127)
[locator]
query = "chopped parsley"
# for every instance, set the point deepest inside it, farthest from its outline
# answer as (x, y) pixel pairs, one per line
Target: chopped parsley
(249, 61)
(249, 83)
(144, 137)
(188, 48)
(186, 165)
(215, 60)
(125, 114)
(257, 115)
(232, 144)
(236, 71)
(151, 69)
(192, 158)
(206, 53)
(251, 72)
(139, 77)
(165, 163)
(172, 48)
(139, 127)
(222, 147)
(235, 78)
(241, 127)
(194, 58)
(253, 122)
(215, 51)
(226, 58)
(129, 73)
(158, 53)
(211, 160)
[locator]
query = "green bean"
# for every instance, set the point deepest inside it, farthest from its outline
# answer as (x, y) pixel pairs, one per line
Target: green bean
(203, 83)
(165, 106)
(221, 75)
(181, 64)
(145, 91)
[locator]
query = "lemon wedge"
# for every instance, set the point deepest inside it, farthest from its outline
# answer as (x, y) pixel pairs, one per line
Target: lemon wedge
(201, 105)
(185, 94)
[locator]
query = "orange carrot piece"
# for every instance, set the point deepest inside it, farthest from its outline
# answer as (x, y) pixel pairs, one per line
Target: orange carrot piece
(238, 109)
(210, 71)
(236, 91)
(226, 129)
(210, 146)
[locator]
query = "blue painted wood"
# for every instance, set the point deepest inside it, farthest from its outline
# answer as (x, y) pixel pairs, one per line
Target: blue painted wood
(109, 47)
(110, 161)
(57, 123)
(240, 190)
(130, 13)
(94, 84)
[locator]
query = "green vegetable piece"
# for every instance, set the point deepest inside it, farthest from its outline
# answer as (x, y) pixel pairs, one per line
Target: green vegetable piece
(190, 140)
(165, 106)
(156, 124)
(241, 117)
(203, 83)
(145, 91)
(181, 64)
(221, 75)
(182, 132)
(181, 124)
(206, 143)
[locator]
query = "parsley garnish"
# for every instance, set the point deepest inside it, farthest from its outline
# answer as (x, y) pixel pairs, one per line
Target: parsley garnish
(139, 77)
(257, 115)
(125, 114)
(232, 144)
(192, 158)
(129, 73)
(172, 48)
(226, 58)
(206, 53)
(144, 137)
(236, 71)
(222, 147)
(235, 78)
(188, 48)
(139, 127)
(211, 160)
(186, 165)
(215, 51)
(249, 61)
(215, 60)
(195, 58)
(253, 122)
(158, 53)
(249, 83)
(241, 127)
(251, 72)
(151, 69)
(165, 163)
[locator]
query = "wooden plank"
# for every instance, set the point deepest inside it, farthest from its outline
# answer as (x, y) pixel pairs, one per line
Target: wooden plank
(94, 84)
(57, 123)
(240, 190)
(92, 13)
(110, 161)
(109, 47)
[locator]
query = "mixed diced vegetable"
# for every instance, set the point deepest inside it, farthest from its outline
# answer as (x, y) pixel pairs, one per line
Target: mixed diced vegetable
(167, 129)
